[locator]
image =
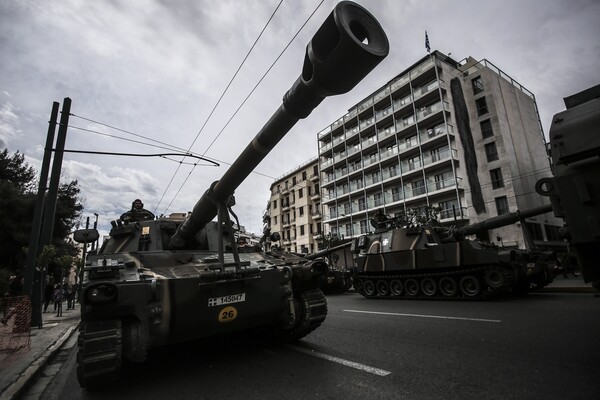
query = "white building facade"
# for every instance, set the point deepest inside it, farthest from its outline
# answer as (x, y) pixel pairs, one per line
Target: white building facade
(463, 137)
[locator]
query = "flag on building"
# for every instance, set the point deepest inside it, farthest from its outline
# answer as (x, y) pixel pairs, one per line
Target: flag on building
(427, 43)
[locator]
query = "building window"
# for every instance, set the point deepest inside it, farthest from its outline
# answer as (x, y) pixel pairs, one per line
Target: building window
(449, 209)
(378, 199)
(396, 194)
(301, 230)
(477, 85)
(491, 152)
(486, 128)
(275, 220)
(301, 209)
(502, 205)
(482, 107)
(535, 230)
(496, 176)
(274, 204)
(363, 226)
(304, 176)
(294, 181)
(316, 170)
(300, 194)
(418, 187)
(361, 204)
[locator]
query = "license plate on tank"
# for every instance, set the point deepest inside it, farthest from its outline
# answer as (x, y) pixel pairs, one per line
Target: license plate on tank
(230, 299)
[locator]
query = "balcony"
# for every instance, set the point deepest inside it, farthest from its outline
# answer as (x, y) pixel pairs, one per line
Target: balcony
(384, 93)
(364, 124)
(352, 132)
(370, 161)
(325, 147)
(453, 214)
(412, 165)
(380, 115)
(442, 155)
(425, 135)
(314, 177)
(387, 132)
(438, 186)
(351, 114)
(423, 90)
(367, 104)
(402, 81)
(324, 133)
(390, 172)
(368, 142)
(337, 123)
(425, 66)
(327, 163)
(385, 154)
(426, 112)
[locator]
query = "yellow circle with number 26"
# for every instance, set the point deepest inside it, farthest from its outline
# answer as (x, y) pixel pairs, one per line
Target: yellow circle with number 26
(227, 314)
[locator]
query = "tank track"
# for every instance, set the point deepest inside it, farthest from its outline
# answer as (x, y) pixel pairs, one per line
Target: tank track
(311, 309)
(100, 352)
(465, 284)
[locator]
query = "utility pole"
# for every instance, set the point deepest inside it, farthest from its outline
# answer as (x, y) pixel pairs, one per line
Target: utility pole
(34, 240)
(50, 211)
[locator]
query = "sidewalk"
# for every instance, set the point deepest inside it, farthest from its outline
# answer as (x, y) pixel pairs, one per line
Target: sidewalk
(571, 284)
(20, 370)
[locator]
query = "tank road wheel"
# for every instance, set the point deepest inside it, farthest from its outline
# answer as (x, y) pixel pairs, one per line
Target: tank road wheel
(396, 287)
(494, 278)
(469, 286)
(428, 287)
(448, 286)
(358, 285)
(368, 287)
(411, 286)
(382, 288)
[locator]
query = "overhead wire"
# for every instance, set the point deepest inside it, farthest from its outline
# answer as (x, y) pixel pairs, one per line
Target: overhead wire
(247, 97)
(212, 112)
(168, 146)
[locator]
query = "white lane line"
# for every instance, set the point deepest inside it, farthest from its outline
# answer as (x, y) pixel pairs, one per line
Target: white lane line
(424, 316)
(347, 363)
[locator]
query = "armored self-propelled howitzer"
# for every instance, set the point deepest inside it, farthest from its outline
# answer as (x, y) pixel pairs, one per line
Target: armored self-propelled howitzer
(429, 261)
(340, 268)
(156, 282)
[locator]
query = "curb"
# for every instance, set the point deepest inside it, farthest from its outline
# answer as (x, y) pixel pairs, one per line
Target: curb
(26, 377)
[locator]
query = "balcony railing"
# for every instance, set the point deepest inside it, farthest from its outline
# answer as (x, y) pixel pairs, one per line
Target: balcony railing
(365, 105)
(325, 147)
(432, 109)
(434, 186)
(407, 166)
(384, 93)
(324, 132)
(387, 132)
(366, 123)
(337, 123)
(439, 156)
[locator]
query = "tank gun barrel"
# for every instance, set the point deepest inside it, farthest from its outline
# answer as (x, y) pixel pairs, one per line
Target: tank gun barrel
(325, 252)
(504, 219)
(348, 45)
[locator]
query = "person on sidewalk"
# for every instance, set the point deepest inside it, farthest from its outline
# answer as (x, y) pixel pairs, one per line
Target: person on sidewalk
(58, 299)
(48, 294)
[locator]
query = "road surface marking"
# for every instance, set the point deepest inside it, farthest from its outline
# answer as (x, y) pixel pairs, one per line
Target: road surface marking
(347, 363)
(424, 316)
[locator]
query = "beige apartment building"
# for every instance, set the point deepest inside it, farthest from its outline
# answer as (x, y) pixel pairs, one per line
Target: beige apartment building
(294, 209)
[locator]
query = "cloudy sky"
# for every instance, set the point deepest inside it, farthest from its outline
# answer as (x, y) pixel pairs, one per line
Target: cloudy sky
(156, 69)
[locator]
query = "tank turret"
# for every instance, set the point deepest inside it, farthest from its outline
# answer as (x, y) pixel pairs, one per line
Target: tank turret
(173, 279)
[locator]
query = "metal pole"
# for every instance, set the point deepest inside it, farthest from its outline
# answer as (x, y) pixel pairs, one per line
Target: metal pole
(50, 204)
(34, 239)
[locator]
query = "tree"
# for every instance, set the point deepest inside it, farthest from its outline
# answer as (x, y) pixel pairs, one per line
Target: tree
(17, 202)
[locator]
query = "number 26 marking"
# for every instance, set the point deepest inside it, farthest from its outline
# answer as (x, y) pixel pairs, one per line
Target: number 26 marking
(227, 314)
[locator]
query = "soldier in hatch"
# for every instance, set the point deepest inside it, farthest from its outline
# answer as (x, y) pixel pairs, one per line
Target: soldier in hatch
(137, 213)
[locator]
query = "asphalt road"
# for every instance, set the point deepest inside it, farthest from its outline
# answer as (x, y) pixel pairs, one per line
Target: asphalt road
(544, 346)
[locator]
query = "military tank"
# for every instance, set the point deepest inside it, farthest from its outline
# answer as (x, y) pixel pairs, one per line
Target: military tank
(437, 262)
(161, 281)
(340, 268)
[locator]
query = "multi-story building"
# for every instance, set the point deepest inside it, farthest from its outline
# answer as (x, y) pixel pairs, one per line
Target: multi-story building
(463, 137)
(294, 208)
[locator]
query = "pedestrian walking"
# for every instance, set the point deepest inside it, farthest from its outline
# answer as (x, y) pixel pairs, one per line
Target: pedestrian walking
(71, 291)
(48, 294)
(58, 299)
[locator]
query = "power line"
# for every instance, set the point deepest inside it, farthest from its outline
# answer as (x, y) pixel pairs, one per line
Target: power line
(248, 96)
(170, 147)
(212, 112)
